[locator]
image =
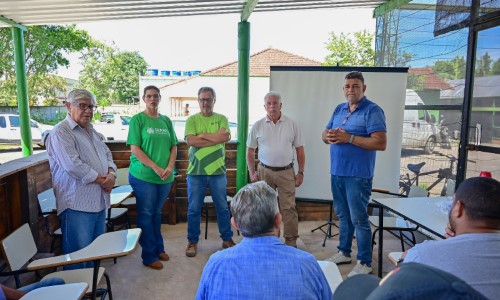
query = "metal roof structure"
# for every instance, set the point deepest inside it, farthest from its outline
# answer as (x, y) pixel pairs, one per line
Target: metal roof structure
(39, 12)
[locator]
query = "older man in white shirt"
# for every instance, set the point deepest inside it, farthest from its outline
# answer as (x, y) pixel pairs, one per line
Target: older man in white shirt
(277, 137)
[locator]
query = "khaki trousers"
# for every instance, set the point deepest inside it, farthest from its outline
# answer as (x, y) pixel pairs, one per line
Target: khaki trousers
(284, 182)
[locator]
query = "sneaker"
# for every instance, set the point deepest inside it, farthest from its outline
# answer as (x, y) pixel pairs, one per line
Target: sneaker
(360, 268)
(163, 256)
(228, 244)
(340, 258)
(191, 249)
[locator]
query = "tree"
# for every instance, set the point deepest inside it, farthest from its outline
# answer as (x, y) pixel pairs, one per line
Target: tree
(453, 69)
(113, 76)
(45, 47)
(124, 69)
(495, 70)
(483, 65)
(93, 77)
(350, 50)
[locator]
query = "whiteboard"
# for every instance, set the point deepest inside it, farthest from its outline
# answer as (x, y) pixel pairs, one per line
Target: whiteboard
(309, 96)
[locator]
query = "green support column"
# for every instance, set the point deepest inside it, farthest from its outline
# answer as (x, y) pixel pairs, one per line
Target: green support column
(243, 87)
(22, 91)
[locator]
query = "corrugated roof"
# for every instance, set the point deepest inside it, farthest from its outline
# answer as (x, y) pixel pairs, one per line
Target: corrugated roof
(484, 87)
(261, 62)
(431, 81)
(39, 12)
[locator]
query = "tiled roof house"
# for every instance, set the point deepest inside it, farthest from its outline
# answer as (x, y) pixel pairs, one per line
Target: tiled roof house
(224, 80)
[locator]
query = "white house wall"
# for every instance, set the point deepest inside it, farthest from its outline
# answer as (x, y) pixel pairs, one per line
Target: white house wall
(226, 89)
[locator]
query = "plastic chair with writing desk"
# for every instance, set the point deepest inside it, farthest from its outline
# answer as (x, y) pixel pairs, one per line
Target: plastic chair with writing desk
(69, 291)
(19, 248)
(106, 246)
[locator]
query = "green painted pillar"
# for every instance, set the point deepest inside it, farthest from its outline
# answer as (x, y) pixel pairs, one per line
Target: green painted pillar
(243, 87)
(22, 91)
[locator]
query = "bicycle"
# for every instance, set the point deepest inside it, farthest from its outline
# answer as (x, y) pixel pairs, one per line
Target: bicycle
(406, 181)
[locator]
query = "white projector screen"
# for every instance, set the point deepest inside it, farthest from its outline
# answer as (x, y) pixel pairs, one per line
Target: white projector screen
(309, 96)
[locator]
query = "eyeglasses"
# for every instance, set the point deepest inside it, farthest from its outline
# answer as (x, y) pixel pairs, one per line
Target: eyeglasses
(206, 100)
(346, 118)
(84, 106)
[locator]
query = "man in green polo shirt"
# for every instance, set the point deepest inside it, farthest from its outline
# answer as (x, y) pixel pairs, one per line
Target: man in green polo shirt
(206, 133)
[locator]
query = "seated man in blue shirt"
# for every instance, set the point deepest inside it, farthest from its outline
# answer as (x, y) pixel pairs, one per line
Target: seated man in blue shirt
(261, 266)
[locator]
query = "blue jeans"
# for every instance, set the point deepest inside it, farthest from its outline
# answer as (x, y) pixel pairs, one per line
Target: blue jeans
(197, 185)
(350, 201)
(79, 229)
(150, 200)
(43, 283)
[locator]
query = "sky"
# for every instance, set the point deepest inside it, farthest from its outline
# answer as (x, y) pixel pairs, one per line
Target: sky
(204, 42)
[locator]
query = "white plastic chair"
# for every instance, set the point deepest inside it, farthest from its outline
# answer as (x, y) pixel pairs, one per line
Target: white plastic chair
(47, 202)
(332, 274)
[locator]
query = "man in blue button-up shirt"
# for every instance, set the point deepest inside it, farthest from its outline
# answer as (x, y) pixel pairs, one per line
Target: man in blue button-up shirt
(355, 132)
(261, 266)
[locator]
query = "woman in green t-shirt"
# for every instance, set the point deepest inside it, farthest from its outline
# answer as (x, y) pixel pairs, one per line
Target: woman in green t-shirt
(153, 144)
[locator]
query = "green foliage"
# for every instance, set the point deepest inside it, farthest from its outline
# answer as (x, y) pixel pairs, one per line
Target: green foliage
(453, 69)
(483, 65)
(495, 70)
(125, 68)
(45, 47)
(350, 50)
(415, 82)
(113, 76)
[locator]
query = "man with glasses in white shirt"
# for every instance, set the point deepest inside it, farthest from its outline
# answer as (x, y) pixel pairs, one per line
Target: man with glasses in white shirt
(83, 174)
(355, 132)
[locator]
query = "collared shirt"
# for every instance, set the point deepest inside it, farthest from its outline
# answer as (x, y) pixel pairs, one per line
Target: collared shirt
(76, 158)
(276, 142)
(262, 268)
(348, 159)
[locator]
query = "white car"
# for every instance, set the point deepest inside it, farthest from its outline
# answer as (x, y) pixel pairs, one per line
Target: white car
(10, 130)
(114, 127)
(180, 127)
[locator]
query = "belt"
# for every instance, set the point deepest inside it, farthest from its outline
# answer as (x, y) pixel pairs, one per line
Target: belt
(277, 168)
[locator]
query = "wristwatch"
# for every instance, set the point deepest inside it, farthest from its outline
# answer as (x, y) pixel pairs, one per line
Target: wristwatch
(300, 172)
(112, 173)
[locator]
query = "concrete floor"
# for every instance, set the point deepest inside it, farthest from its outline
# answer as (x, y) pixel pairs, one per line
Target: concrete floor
(130, 280)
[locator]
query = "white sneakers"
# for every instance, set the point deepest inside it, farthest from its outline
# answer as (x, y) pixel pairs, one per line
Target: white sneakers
(340, 258)
(360, 268)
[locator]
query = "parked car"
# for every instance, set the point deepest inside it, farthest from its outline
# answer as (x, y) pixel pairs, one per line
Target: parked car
(180, 126)
(113, 126)
(420, 129)
(10, 130)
